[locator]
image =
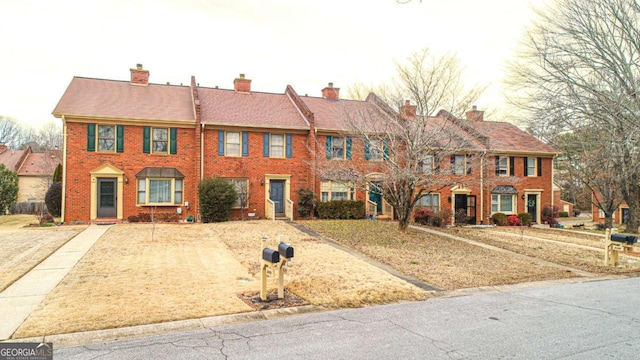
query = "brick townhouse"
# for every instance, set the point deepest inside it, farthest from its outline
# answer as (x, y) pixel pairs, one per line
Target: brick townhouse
(134, 147)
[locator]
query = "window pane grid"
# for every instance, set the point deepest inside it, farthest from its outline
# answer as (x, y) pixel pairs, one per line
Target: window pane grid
(106, 137)
(337, 148)
(277, 145)
(160, 140)
(233, 144)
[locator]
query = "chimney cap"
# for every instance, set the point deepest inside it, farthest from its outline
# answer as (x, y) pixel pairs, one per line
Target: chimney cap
(330, 85)
(474, 108)
(139, 66)
(241, 76)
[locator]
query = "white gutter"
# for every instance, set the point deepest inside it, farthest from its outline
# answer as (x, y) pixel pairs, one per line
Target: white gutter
(64, 168)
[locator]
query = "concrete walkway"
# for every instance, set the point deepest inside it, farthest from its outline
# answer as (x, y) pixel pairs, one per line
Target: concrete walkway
(23, 296)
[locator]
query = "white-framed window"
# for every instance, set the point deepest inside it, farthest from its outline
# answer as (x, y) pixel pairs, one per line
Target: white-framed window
(242, 189)
(107, 138)
(504, 203)
(376, 149)
(461, 165)
(160, 191)
(532, 166)
(338, 148)
(232, 143)
(336, 190)
(427, 164)
(277, 145)
(160, 140)
(601, 214)
(502, 166)
(430, 201)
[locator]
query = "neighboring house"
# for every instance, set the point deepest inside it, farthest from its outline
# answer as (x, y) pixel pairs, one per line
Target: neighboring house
(132, 147)
(619, 216)
(35, 171)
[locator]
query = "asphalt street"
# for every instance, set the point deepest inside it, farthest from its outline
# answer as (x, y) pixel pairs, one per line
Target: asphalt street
(588, 320)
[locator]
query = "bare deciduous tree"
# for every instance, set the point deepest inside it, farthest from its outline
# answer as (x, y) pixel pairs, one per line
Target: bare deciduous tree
(577, 70)
(409, 152)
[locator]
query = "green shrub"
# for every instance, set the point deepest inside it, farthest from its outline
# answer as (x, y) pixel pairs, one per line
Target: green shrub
(342, 209)
(306, 198)
(217, 196)
(563, 214)
(500, 219)
(525, 219)
(53, 199)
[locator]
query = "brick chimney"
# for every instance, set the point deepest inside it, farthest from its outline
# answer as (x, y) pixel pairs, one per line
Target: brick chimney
(474, 114)
(407, 110)
(330, 92)
(3, 148)
(241, 84)
(139, 76)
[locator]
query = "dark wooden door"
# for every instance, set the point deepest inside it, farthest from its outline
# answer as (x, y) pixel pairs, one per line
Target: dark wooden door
(532, 206)
(107, 199)
(375, 195)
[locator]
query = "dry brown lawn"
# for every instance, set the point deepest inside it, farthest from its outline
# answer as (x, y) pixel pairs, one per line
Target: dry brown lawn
(25, 247)
(579, 258)
(141, 273)
(439, 261)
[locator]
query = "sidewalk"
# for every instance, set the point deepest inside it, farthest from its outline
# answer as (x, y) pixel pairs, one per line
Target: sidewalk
(22, 297)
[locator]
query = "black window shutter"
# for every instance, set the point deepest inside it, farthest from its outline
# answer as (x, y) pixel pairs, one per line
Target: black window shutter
(146, 140)
(120, 138)
(512, 165)
(539, 166)
(453, 164)
(91, 137)
(436, 162)
(468, 164)
(497, 165)
(526, 163)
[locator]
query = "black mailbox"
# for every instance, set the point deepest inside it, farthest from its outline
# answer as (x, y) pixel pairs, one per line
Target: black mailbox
(270, 255)
(286, 250)
(629, 239)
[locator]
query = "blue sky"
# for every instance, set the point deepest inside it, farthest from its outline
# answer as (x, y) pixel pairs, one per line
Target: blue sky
(275, 43)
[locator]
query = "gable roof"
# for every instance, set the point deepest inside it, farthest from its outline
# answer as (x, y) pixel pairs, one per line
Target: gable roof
(112, 99)
(507, 137)
(330, 114)
(249, 109)
(39, 164)
(12, 158)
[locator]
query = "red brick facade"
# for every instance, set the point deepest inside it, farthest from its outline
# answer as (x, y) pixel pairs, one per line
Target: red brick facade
(277, 141)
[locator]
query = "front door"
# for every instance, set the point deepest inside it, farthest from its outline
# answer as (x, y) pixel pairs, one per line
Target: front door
(375, 195)
(107, 197)
(465, 207)
(625, 215)
(532, 206)
(276, 194)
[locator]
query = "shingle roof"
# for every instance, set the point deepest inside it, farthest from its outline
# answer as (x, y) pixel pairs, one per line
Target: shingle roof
(12, 158)
(330, 114)
(508, 137)
(254, 109)
(122, 100)
(39, 164)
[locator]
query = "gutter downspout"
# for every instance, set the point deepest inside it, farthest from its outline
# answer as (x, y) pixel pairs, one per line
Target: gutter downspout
(482, 210)
(202, 151)
(64, 169)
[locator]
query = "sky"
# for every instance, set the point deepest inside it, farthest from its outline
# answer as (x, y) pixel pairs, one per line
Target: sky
(303, 43)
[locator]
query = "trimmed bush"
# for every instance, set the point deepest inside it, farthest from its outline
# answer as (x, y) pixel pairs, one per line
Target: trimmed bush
(461, 217)
(342, 209)
(514, 220)
(440, 218)
(133, 219)
(563, 214)
(217, 197)
(305, 202)
(525, 219)
(53, 199)
(500, 219)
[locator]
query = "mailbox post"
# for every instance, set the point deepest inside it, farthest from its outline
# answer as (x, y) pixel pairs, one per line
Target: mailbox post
(276, 259)
(614, 243)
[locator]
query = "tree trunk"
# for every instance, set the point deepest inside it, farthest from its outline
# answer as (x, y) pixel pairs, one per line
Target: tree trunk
(608, 220)
(404, 217)
(632, 202)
